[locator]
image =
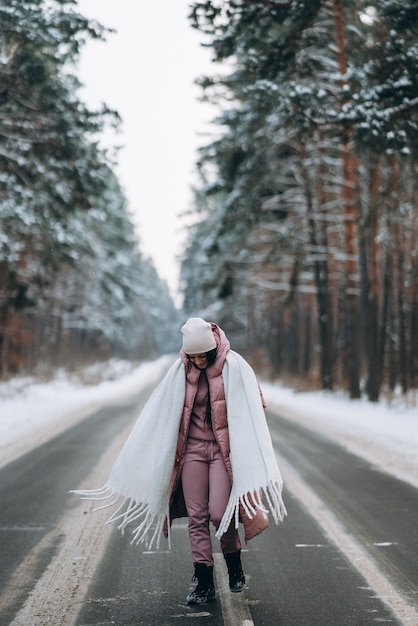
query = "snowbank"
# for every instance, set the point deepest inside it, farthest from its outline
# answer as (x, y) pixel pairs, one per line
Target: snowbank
(32, 412)
(384, 434)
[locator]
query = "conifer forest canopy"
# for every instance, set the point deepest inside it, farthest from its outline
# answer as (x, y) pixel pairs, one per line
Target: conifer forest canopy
(73, 284)
(307, 210)
(305, 216)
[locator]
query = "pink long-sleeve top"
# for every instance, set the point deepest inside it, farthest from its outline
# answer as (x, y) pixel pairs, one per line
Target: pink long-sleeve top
(200, 426)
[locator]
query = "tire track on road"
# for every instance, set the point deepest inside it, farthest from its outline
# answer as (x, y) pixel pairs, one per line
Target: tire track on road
(80, 540)
(356, 554)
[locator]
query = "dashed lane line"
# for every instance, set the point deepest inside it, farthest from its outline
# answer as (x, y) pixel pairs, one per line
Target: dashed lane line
(361, 560)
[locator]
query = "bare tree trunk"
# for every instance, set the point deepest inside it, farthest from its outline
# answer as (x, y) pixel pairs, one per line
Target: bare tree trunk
(413, 354)
(398, 268)
(321, 278)
(370, 285)
(350, 210)
(400, 305)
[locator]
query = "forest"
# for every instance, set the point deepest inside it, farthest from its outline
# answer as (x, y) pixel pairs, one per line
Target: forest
(303, 243)
(306, 214)
(74, 286)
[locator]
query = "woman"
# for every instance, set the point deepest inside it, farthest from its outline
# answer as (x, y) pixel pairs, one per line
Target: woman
(200, 448)
(203, 466)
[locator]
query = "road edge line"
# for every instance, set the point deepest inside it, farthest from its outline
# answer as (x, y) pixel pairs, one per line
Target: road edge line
(354, 552)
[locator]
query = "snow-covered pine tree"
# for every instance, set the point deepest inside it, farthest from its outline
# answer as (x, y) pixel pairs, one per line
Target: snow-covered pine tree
(318, 113)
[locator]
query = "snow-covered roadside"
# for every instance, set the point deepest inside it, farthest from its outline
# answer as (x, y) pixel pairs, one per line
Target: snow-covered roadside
(32, 412)
(384, 434)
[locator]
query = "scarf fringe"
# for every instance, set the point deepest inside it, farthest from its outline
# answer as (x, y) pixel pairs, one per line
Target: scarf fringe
(251, 502)
(103, 493)
(150, 522)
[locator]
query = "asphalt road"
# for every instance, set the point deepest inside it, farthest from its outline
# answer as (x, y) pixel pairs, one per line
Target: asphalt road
(60, 567)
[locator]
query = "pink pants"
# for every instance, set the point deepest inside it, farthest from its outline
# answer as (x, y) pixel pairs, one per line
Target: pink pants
(206, 488)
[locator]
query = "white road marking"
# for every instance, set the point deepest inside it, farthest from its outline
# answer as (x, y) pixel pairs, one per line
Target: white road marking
(358, 556)
(58, 594)
(235, 611)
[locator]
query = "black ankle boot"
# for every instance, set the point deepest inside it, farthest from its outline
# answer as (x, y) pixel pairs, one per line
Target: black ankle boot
(236, 575)
(205, 589)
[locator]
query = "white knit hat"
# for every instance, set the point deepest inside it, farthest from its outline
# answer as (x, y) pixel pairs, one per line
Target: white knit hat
(197, 336)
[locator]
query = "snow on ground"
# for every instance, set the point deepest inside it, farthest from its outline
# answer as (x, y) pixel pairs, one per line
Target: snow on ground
(385, 434)
(31, 412)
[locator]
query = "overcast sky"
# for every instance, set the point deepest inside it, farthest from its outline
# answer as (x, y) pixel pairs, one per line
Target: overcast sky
(146, 71)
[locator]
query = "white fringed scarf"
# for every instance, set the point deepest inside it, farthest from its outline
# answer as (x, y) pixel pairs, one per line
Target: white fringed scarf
(139, 482)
